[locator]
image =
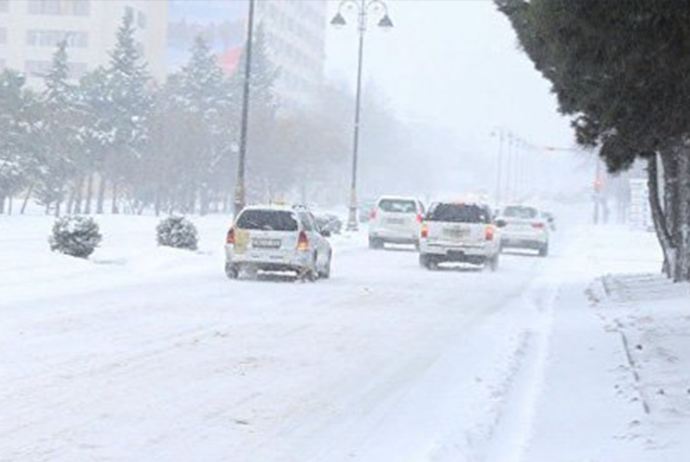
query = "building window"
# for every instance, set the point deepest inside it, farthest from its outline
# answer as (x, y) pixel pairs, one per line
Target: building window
(59, 7)
(4, 5)
(51, 38)
(40, 69)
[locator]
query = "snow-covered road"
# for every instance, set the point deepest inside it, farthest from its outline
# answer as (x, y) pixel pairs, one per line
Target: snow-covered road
(150, 354)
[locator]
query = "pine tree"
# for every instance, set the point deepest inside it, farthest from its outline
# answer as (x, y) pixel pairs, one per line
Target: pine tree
(201, 91)
(95, 134)
(13, 157)
(620, 69)
(127, 84)
(59, 132)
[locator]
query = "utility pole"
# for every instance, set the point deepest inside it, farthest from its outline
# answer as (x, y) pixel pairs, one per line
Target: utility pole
(240, 185)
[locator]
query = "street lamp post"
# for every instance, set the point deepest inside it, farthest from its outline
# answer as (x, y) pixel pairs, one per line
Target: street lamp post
(362, 8)
(240, 187)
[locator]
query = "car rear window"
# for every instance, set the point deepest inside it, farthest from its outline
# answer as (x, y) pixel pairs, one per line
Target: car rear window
(267, 220)
(398, 206)
(520, 212)
(459, 213)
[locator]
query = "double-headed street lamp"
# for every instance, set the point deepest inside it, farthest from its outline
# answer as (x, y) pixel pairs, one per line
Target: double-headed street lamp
(362, 9)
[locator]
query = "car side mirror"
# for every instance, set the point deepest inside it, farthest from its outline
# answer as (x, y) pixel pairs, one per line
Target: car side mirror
(501, 223)
(326, 232)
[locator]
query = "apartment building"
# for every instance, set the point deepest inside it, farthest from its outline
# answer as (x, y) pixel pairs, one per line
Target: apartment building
(295, 31)
(31, 29)
(296, 36)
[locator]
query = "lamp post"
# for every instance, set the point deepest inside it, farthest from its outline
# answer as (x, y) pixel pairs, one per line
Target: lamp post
(240, 187)
(362, 8)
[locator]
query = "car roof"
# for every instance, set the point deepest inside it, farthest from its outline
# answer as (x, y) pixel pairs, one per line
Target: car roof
(270, 208)
(524, 206)
(397, 198)
(461, 202)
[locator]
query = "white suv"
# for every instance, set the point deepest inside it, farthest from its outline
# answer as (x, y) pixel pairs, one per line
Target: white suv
(395, 220)
(523, 227)
(459, 233)
(274, 238)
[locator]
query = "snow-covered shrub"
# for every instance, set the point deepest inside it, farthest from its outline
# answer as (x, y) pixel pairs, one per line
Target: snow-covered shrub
(75, 236)
(177, 232)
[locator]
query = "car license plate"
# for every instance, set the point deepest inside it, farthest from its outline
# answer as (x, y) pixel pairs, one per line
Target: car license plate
(266, 243)
(456, 254)
(396, 221)
(456, 232)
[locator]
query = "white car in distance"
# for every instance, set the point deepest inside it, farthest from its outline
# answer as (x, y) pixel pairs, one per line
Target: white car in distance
(395, 220)
(457, 232)
(523, 227)
(279, 239)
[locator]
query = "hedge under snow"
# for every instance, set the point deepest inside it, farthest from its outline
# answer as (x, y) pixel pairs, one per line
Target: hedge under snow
(177, 232)
(75, 236)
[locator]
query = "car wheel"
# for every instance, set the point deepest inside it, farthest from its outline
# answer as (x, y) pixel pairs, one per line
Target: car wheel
(326, 274)
(493, 263)
(310, 274)
(248, 271)
(427, 262)
(544, 250)
(375, 243)
(231, 271)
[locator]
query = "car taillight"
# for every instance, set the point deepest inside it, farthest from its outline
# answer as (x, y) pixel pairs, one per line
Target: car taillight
(419, 218)
(538, 225)
(372, 214)
(425, 231)
(302, 241)
(230, 239)
(489, 233)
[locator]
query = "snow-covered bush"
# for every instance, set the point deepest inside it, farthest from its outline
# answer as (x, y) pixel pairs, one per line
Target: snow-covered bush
(75, 236)
(177, 232)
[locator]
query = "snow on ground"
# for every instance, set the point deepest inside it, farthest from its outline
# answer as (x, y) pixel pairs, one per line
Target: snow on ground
(145, 353)
(594, 402)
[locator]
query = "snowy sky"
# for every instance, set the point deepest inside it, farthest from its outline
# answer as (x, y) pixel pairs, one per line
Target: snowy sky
(456, 64)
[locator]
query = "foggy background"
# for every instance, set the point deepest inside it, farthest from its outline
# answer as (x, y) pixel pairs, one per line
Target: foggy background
(453, 70)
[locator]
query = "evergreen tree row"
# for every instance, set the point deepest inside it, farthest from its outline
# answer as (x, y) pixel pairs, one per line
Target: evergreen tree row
(620, 70)
(117, 142)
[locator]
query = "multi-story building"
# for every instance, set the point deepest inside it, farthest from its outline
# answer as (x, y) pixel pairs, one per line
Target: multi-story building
(31, 29)
(295, 32)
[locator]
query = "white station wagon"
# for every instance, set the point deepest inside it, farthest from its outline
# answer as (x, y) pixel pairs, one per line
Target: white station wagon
(273, 238)
(395, 220)
(456, 232)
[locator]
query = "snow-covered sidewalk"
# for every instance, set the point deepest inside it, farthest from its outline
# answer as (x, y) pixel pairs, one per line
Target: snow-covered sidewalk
(616, 383)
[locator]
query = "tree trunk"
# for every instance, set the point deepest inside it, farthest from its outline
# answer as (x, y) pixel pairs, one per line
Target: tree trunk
(683, 217)
(78, 196)
(659, 218)
(226, 202)
(58, 205)
(157, 204)
(89, 194)
(113, 209)
(70, 202)
(2, 205)
(101, 195)
(204, 202)
(27, 199)
(10, 202)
